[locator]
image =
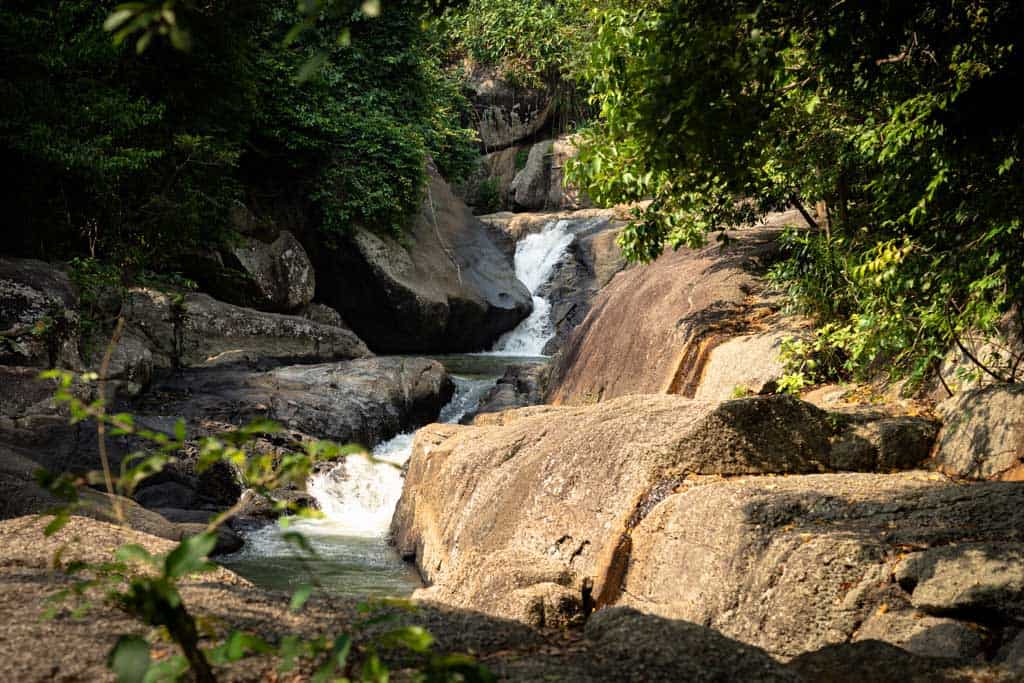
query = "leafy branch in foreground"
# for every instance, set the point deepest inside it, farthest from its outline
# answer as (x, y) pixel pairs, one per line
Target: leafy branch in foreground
(146, 585)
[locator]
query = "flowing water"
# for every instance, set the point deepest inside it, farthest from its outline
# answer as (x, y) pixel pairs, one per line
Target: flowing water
(358, 496)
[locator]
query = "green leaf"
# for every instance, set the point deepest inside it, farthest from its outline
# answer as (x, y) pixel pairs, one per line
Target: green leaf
(413, 638)
(300, 596)
(133, 552)
(129, 659)
(190, 555)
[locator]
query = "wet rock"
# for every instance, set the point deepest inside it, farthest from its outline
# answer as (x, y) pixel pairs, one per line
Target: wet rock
(520, 386)
(281, 270)
(38, 315)
(982, 434)
(446, 287)
(651, 329)
(196, 330)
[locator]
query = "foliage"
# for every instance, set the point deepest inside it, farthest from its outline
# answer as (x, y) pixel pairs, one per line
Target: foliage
(146, 586)
(533, 43)
(488, 196)
(136, 158)
(890, 112)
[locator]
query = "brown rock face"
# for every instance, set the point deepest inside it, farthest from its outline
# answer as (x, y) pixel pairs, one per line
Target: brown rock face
(982, 435)
(651, 329)
(547, 497)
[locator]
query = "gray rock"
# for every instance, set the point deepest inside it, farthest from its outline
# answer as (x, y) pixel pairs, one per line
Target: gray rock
(1011, 655)
(487, 188)
(982, 579)
(445, 288)
(38, 315)
(364, 401)
(870, 441)
(199, 331)
(281, 270)
(167, 494)
(540, 184)
(325, 315)
(982, 434)
(520, 386)
(746, 364)
(131, 364)
(618, 632)
(506, 114)
(793, 564)
(22, 392)
(925, 635)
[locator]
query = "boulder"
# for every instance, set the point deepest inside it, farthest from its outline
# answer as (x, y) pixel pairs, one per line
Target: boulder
(505, 114)
(982, 434)
(445, 287)
(984, 580)
(922, 634)
(131, 363)
(520, 386)
(195, 330)
(324, 315)
(487, 188)
(38, 315)
(651, 329)
(793, 564)
(540, 184)
(281, 270)
(544, 498)
(364, 401)
(872, 440)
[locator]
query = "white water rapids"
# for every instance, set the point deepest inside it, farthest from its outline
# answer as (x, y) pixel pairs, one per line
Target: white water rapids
(358, 496)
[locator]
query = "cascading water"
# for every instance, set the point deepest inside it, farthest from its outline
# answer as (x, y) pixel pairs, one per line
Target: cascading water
(358, 495)
(535, 260)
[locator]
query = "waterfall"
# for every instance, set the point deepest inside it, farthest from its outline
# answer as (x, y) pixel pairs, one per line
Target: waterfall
(358, 495)
(535, 261)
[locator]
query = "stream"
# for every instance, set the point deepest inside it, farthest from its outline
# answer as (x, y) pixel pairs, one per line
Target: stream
(358, 497)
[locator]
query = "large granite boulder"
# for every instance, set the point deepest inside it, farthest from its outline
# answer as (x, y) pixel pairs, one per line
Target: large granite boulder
(547, 495)
(651, 329)
(445, 287)
(281, 270)
(505, 114)
(793, 564)
(38, 315)
(487, 188)
(540, 185)
(982, 435)
(195, 330)
(365, 401)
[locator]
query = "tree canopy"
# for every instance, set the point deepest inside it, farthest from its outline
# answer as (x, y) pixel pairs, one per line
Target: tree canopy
(892, 113)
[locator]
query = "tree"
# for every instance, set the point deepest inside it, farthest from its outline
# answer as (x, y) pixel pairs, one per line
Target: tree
(890, 112)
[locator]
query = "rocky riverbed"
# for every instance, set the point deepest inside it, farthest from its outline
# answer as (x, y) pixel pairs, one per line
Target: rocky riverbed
(606, 488)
